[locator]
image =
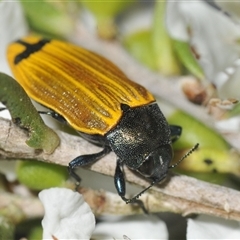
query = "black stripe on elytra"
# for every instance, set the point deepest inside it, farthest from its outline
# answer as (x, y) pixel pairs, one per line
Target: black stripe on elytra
(30, 48)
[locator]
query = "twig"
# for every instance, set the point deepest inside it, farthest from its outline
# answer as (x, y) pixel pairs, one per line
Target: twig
(178, 194)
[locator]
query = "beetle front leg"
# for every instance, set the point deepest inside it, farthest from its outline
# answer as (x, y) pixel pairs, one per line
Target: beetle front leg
(120, 185)
(119, 181)
(84, 160)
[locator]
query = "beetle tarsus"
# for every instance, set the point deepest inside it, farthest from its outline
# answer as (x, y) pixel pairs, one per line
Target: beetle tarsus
(74, 175)
(136, 201)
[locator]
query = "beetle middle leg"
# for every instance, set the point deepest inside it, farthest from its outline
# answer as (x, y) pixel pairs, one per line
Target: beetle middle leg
(176, 132)
(84, 160)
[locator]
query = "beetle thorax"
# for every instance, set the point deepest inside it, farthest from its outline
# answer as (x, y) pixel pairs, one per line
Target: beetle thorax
(140, 131)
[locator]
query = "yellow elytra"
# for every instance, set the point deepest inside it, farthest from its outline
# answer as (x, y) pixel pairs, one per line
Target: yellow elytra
(83, 87)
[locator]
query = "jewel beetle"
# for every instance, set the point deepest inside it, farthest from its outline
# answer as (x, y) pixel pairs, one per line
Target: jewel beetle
(97, 99)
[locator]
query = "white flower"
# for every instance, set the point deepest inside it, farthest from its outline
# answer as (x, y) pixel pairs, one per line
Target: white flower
(134, 227)
(206, 227)
(12, 27)
(214, 36)
(67, 215)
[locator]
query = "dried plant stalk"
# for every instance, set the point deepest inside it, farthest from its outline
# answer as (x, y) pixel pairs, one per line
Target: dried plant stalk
(179, 194)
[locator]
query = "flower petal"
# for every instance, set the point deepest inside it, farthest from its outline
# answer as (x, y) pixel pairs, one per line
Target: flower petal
(12, 26)
(67, 215)
(206, 227)
(134, 227)
(213, 36)
(230, 87)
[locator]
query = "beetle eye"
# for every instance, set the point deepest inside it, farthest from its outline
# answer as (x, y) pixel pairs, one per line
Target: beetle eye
(147, 168)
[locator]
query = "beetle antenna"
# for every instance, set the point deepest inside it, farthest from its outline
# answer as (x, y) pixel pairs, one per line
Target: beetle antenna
(185, 156)
(135, 198)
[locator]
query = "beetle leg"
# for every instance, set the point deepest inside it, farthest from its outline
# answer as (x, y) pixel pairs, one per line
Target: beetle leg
(54, 115)
(120, 185)
(119, 180)
(84, 160)
(176, 132)
(2, 109)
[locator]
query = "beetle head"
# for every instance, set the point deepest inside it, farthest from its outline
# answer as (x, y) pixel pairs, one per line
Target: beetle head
(156, 163)
(152, 161)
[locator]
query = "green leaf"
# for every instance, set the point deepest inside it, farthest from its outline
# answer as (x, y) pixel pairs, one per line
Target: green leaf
(166, 59)
(187, 58)
(214, 154)
(52, 18)
(25, 115)
(40, 175)
(105, 13)
(140, 46)
(196, 132)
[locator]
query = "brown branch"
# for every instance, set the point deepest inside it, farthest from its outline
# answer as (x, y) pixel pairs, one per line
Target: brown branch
(178, 194)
